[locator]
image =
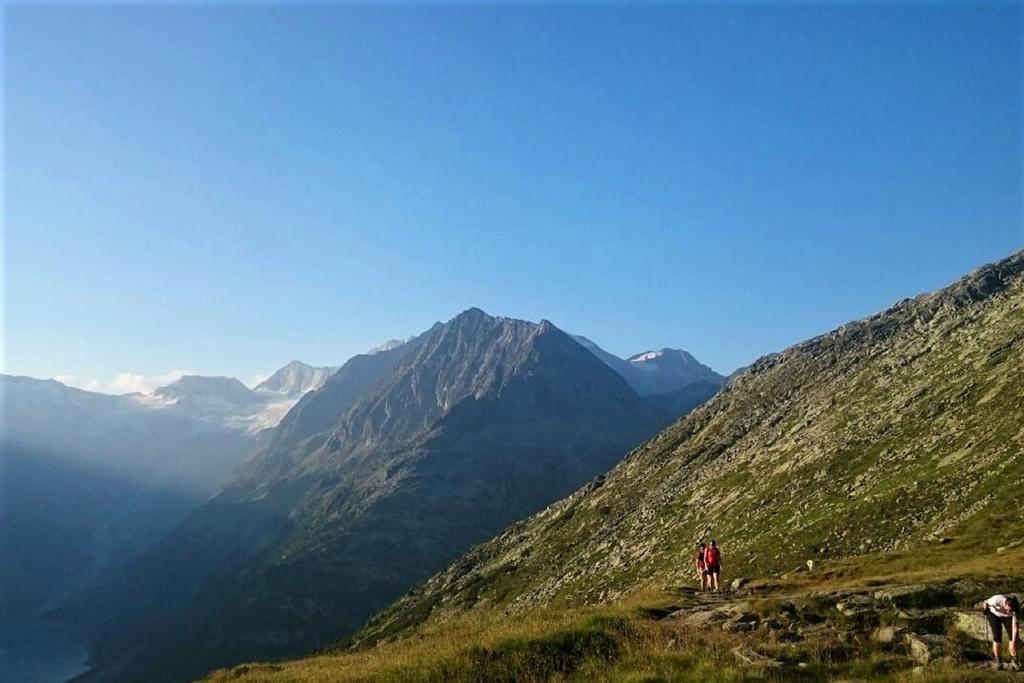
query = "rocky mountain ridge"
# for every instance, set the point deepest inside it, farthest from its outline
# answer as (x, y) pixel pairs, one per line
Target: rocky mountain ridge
(475, 423)
(882, 434)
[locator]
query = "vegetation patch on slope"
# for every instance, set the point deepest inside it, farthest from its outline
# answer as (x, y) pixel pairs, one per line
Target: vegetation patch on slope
(824, 624)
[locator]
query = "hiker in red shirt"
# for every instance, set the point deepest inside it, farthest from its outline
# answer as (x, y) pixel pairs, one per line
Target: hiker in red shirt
(713, 564)
(702, 570)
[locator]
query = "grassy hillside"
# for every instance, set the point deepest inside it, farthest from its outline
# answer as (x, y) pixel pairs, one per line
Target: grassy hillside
(887, 452)
(661, 634)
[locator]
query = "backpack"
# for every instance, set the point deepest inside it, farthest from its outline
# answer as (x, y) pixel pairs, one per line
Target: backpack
(712, 555)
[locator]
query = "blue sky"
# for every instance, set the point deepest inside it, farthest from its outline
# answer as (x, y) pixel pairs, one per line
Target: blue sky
(222, 189)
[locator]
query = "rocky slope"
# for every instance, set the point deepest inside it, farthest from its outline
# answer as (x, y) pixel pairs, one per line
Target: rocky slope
(880, 435)
(317, 411)
(476, 423)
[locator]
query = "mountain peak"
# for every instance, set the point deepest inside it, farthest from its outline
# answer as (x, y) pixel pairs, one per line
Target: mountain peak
(647, 355)
(228, 389)
(470, 356)
(663, 354)
(472, 314)
(296, 378)
(655, 372)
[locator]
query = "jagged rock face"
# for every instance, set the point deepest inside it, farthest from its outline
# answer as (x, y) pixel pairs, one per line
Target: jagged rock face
(881, 434)
(477, 423)
(319, 410)
(296, 378)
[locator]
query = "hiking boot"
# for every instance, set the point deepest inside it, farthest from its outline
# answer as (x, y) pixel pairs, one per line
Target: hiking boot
(997, 665)
(1014, 665)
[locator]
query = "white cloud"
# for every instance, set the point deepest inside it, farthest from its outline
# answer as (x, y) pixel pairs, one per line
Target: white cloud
(124, 382)
(256, 379)
(72, 381)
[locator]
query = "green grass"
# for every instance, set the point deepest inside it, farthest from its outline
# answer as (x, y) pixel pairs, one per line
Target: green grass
(634, 640)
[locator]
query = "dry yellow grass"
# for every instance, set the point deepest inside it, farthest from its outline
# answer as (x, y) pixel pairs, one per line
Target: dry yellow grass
(660, 650)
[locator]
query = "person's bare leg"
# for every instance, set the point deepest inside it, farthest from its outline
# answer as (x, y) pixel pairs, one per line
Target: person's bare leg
(995, 652)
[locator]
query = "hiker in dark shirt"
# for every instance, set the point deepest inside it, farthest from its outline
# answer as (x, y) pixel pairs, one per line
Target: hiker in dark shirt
(701, 567)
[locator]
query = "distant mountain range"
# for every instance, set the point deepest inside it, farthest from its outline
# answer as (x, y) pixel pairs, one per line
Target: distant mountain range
(91, 480)
(227, 401)
(403, 459)
(656, 372)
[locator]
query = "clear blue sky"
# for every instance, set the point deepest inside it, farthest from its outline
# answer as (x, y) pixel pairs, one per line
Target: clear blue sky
(224, 189)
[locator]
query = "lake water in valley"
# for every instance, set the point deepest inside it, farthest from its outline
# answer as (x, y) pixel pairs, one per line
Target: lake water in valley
(34, 653)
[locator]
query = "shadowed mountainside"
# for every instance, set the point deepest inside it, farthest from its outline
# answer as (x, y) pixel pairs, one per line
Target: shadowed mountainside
(476, 423)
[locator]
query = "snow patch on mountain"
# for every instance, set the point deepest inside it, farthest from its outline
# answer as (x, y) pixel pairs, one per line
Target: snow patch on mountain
(389, 345)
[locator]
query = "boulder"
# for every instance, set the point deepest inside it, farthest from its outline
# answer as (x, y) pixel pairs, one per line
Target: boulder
(733, 626)
(972, 624)
(822, 631)
(745, 621)
(923, 620)
(855, 604)
(917, 595)
(888, 635)
(859, 609)
(703, 618)
(748, 657)
(737, 584)
(925, 649)
(967, 591)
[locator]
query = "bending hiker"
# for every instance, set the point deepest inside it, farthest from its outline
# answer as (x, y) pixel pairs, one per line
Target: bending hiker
(1003, 612)
(713, 562)
(701, 567)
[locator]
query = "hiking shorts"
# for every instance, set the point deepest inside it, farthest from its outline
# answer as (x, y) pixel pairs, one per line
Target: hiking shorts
(996, 624)
(714, 569)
